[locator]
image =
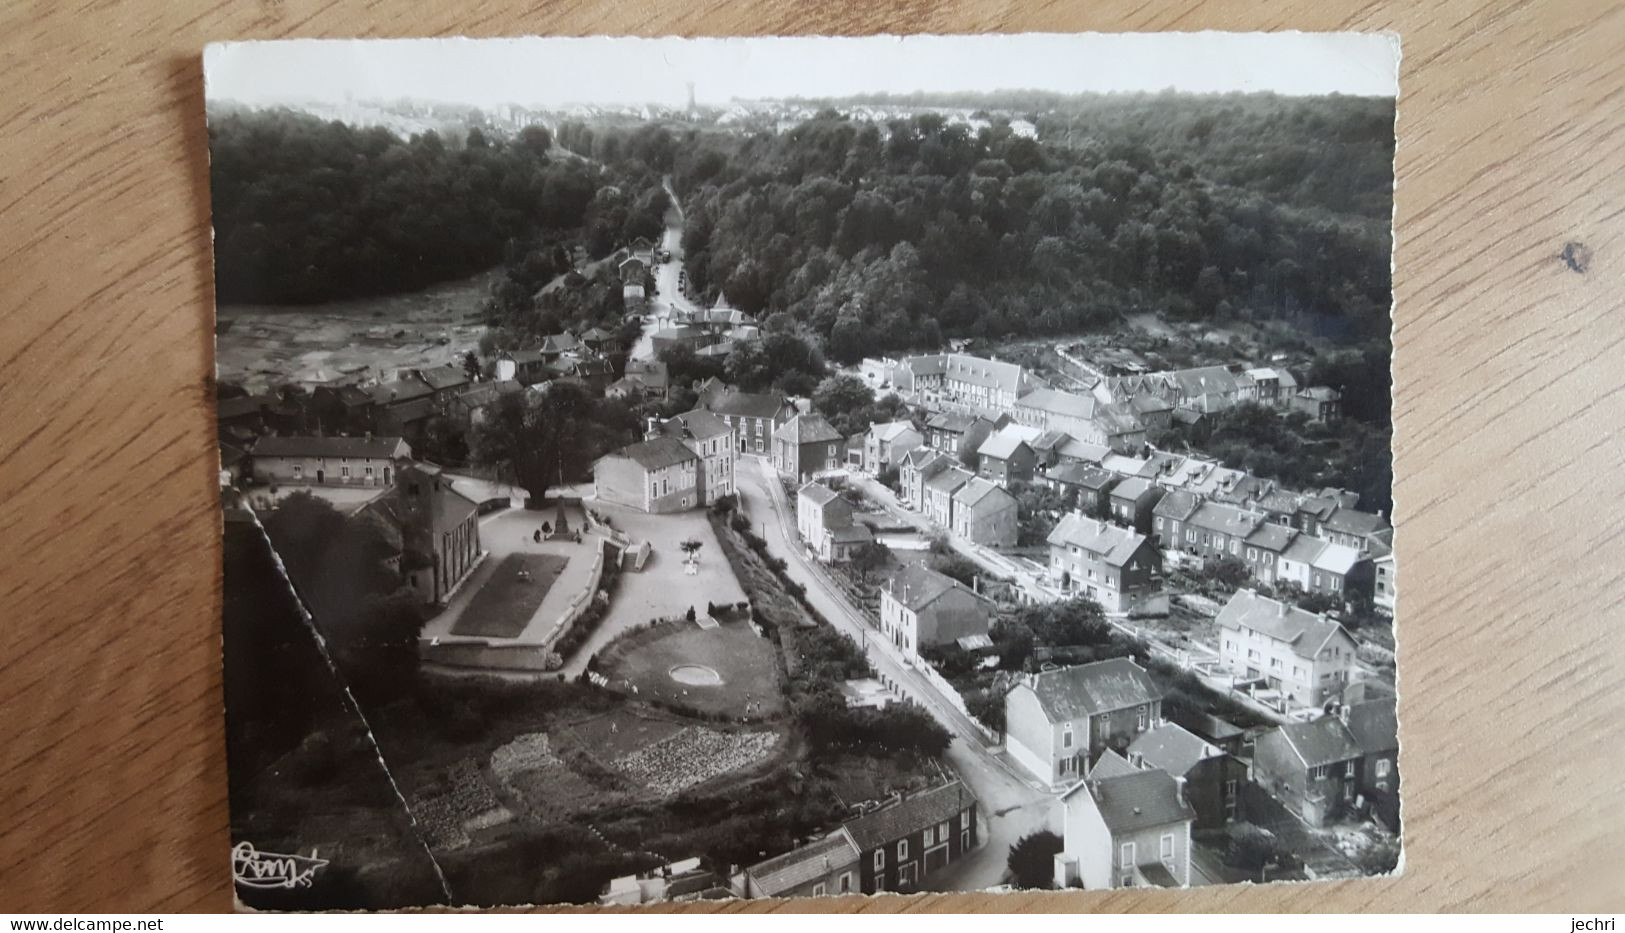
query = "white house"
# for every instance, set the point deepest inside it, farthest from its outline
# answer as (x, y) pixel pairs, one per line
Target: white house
(1125, 827)
(1306, 656)
(1057, 722)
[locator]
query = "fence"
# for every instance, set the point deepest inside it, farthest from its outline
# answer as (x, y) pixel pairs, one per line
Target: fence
(942, 686)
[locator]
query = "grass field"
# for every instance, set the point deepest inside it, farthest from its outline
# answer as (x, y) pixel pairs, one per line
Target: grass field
(505, 603)
(745, 661)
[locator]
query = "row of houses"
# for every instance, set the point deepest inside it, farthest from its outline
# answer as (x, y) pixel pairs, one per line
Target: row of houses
(894, 847)
(1133, 785)
(971, 506)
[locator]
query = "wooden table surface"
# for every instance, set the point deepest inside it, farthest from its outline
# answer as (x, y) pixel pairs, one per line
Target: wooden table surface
(1509, 392)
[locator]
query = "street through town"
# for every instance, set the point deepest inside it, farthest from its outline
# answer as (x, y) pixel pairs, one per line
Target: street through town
(1011, 806)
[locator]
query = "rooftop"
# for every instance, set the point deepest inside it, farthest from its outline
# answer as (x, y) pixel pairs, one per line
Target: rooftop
(1003, 443)
(749, 404)
(1113, 544)
(1129, 803)
(1375, 726)
(657, 453)
(1057, 402)
(810, 862)
(926, 808)
(1171, 748)
(1306, 632)
(807, 429)
(1098, 687)
(334, 447)
(1320, 741)
(917, 586)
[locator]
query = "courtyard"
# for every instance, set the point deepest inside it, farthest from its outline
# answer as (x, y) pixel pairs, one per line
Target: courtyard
(663, 588)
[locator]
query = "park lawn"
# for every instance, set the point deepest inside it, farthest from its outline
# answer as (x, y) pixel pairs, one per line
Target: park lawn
(503, 606)
(747, 663)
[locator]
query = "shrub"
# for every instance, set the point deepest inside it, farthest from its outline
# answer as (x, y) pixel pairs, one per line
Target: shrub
(1032, 859)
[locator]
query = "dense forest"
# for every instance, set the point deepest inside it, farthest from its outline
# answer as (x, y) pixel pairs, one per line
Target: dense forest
(891, 237)
(307, 210)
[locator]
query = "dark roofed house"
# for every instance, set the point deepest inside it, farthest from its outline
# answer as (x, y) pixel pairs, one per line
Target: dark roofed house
(807, 445)
(904, 843)
(1310, 767)
(1170, 516)
(1132, 502)
(1088, 485)
(1057, 721)
(1375, 727)
(1126, 830)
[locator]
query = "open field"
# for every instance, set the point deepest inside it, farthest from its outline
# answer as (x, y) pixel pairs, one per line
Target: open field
(503, 606)
(261, 345)
(744, 661)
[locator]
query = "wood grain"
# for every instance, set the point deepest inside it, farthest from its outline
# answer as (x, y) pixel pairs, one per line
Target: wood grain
(1510, 400)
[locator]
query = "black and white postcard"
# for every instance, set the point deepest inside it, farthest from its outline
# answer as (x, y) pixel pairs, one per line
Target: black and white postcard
(672, 469)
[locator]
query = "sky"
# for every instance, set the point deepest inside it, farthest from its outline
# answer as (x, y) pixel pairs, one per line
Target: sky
(543, 72)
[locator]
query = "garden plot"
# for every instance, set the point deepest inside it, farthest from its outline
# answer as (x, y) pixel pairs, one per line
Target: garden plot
(460, 804)
(539, 778)
(693, 756)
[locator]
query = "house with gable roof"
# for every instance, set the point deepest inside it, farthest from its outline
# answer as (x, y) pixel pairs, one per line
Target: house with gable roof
(753, 416)
(807, 445)
(824, 520)
(918, 466)
(985, 514)
(1086, 485)
(1007, 455)
(827, 866)
(659, 475)
(939, 494)
(712, 441)
(885, 444)
(921, 608)
(327, 461)
(1124, 830)
(1058, 721)
(1319, 566)
(1375, 727)
(1116, 567)
(1307, 656)
(1311, 767)
(1132, 501)
(958, 381)
(1213, 779)
(952, 432)
(903, 843)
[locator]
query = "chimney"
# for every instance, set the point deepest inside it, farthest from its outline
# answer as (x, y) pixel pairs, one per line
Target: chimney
(1280, 608)
(1179, 788)
(1343, 713)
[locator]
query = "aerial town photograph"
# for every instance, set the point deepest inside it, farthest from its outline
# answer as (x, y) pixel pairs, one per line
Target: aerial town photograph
(672, 470)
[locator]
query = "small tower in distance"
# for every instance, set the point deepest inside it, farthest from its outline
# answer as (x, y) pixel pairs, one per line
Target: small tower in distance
(691, 97)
